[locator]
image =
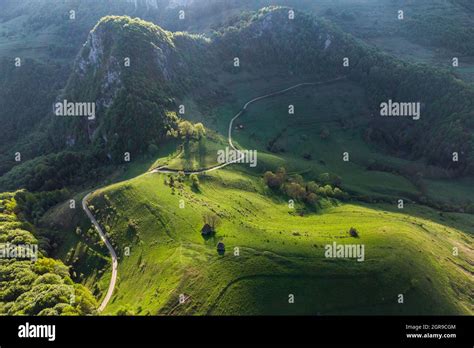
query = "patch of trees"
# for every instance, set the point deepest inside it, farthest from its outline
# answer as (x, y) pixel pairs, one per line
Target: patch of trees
(32, 205)
(194, 181)
(26, 96)
(281, 43)
(41, 287)
(192, 136)
(447, 105)
(440, 31)
(54, 172)
(188, 132)
(296, 188)
(177, 181)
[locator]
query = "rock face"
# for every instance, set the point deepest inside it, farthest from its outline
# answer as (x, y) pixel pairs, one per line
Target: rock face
(131, 70)
(102, 71)
(180, 3)
(145, 3)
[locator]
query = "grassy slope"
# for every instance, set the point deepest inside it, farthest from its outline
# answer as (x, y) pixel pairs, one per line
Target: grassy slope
(172, 258)
(408, 254)
(404, 254)
(318, 108)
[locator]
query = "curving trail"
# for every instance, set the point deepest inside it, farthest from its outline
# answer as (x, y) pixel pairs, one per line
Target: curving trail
(163, 169)
(113, 279)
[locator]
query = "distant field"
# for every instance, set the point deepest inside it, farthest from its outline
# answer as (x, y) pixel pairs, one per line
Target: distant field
(337, 108)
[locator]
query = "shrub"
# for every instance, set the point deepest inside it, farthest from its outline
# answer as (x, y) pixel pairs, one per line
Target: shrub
(353, 232)
(271, 180)
(312, 187)
(330, 179)
(194, 181)
(312, 198)
(212, 220)
(294, 190)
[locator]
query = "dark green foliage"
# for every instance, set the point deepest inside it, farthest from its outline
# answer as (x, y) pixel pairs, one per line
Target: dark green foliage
(33, 205)
(53, 172)
(26, 96)
(329, 179)
(446, 121)
(194, 181)
(165, 66)
(440, 31)
(283, 43)
(133, 101)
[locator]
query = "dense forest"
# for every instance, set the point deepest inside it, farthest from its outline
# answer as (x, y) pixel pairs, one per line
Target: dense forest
(440, 31)
(41, 286)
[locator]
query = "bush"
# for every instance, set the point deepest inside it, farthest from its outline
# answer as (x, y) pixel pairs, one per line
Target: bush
(212, 220)
(271, 180)
(294, 190)
(312, 187)
(353, 232)
(194, 181)
(312, 199)
(330, 179)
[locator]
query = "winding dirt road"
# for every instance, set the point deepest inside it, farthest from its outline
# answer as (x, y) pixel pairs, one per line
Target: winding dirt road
(113, 254)
(163, 169)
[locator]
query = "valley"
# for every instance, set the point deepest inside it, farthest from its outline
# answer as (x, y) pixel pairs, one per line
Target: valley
(278, 252)
(258, 160)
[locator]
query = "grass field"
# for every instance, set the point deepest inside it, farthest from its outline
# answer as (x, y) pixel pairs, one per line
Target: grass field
(279, 251)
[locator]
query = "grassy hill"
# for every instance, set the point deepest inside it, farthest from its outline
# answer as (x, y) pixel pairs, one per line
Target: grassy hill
(407, 252)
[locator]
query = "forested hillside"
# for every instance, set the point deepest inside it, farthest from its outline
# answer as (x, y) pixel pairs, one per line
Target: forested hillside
(37, 285)
(170, 66)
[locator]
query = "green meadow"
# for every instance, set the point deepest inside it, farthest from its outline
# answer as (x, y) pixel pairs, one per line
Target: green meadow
(280, 253)
(273, 251)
